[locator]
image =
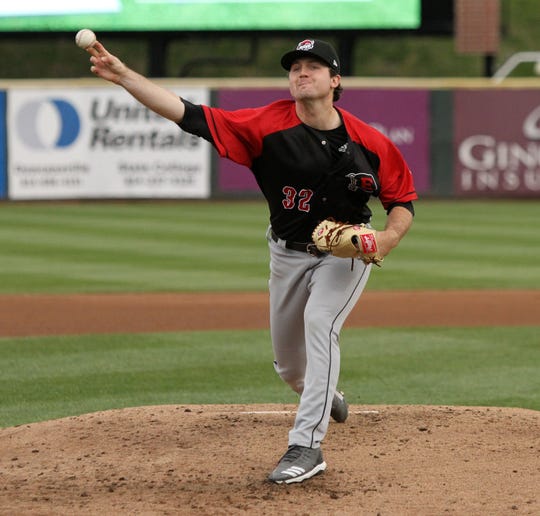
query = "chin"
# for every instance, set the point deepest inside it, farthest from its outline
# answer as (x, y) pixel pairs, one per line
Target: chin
(304, 95)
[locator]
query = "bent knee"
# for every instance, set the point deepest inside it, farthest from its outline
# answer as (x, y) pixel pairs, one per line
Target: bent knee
(292, 376)
(319, 322)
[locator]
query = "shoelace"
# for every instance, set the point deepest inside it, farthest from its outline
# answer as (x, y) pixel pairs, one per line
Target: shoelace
(292, 454)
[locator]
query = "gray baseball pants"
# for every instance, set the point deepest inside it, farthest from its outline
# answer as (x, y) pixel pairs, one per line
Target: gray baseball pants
(310, 299)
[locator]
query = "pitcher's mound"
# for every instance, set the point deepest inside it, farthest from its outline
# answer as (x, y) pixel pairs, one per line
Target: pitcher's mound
(214, 459)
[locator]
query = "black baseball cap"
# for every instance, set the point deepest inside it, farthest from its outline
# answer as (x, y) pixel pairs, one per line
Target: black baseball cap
(315, 48)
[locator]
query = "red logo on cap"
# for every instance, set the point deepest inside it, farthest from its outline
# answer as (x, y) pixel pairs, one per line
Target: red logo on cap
(307, 44)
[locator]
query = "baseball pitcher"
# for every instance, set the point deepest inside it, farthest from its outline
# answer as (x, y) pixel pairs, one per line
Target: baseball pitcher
(317, 166)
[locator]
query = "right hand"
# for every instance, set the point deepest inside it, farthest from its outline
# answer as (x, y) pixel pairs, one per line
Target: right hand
(156, 98)
(106, 65)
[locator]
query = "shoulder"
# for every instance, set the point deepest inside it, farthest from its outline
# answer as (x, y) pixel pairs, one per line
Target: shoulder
(282, 106)
(370, 138)
(361, 131)
(264, 120)
(279, 110)
(283, 110)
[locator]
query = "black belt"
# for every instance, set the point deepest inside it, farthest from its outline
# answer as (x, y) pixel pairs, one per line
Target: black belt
(304, 247)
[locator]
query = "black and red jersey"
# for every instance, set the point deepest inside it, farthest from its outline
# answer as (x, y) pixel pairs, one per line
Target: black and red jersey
(302, 178)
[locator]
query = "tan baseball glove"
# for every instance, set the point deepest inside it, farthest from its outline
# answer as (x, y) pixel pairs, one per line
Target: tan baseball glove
(347, 241)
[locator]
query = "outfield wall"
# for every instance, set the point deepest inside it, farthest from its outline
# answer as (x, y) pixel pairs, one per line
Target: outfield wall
(85, 139)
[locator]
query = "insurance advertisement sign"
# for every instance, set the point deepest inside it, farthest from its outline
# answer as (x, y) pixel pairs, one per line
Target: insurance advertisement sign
(100, 143)
(497, 143)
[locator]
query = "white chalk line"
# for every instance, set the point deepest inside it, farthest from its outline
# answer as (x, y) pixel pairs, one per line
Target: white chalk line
(264, 412)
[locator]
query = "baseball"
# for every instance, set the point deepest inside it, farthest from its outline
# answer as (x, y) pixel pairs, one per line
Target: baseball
(85, 38)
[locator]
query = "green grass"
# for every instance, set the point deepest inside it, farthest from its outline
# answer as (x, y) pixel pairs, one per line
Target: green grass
(220, 246)
(467, 244)
(108, 247)
(200, 246)
(50, 377)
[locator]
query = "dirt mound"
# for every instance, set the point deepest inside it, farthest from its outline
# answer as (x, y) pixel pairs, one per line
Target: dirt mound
(388, 460)
(214, 459)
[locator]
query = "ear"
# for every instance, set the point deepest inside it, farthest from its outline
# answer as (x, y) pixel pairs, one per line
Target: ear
(335, 81)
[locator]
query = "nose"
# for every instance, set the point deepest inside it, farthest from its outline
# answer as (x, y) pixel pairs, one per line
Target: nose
(303, 70)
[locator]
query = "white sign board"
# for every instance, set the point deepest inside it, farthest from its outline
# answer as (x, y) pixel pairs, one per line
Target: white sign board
(101, 143)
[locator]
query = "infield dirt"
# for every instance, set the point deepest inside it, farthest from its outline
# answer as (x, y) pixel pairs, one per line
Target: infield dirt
(37, 314)
(214, 459)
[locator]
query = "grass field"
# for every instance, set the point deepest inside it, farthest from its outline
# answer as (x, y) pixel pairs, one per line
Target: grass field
(190, 246)
(43, 378)
(199, 246)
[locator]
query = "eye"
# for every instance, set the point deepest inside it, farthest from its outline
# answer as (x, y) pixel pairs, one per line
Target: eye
(315, 65)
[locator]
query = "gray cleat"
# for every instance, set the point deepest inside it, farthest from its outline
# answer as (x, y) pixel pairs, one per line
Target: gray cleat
(299, 463)
(340, 409)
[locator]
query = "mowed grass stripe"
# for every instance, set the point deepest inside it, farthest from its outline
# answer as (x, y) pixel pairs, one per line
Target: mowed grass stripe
(54, 244)
(153, 214)
(133, 253)
(84, 247)
(466, 244)
(117, 273)
(204, 221)
(48, 377)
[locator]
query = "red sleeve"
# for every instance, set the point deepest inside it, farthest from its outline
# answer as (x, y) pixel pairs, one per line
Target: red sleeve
(238, 135)
(397, 184)
(395, 177)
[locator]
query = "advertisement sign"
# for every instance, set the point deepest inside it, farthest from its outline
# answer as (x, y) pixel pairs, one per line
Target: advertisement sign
(497, 143)
(402, 115)
(100, 143)
(3, 156)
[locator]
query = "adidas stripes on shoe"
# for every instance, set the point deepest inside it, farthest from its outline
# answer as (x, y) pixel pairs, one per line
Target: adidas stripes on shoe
(299, 463)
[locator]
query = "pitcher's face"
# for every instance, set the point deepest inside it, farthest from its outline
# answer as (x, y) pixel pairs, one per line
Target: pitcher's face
(310, 79)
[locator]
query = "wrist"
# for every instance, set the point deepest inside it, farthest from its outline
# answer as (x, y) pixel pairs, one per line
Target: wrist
(391, 238)
(125, 76)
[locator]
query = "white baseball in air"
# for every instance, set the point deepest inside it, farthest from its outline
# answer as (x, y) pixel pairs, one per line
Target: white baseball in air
(85, 38)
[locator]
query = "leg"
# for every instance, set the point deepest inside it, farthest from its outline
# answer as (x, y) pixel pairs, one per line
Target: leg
(334, 290)
(308, 308)
(289, 291)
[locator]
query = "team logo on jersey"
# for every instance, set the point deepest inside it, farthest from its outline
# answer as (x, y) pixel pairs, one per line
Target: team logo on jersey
(307, 44)
(362, 181)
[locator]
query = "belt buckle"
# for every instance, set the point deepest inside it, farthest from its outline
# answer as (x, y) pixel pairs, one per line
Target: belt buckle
(313, 251)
